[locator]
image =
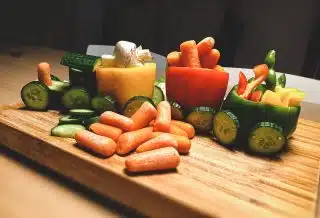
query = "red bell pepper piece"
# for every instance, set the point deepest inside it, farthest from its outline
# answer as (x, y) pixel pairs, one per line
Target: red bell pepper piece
(256, 95)
(193, 87)
(243, 82)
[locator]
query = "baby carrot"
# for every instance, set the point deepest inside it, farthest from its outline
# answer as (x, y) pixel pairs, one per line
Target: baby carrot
(205, 45)
(106, 130)
(131, 140)
(163, 119)
(189, 54)
(163, 140)
(151, 123)
(210, 59)
(44, 76)
(175, 130)
(113, 119)
(174, 59)
(144, 115)
(159, 159)
(188, 128)
(184, 144)
(98, 144)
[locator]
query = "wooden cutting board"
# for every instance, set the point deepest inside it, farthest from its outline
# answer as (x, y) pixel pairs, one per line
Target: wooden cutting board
(210, 182)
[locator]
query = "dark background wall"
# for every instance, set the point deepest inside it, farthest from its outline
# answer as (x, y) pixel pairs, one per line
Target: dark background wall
(244, 30)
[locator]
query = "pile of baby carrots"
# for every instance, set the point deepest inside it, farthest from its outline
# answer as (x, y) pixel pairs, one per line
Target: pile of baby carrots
(156, 139)
(201, 55)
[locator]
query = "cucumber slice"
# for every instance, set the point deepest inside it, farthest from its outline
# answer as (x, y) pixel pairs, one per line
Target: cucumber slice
(68, 119)
(55, 78)
(59, 86)
(201, 118)
(176, 111)
(225, 127)
(266, 138)
(81, 61)
(158, 95)
(36, 96)
(81, 113)
(91, 120)
(76, 98)
(103, 103)
(66, 130)
(134, 104)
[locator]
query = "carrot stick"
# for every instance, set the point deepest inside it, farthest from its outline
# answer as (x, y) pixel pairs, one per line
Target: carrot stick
(144, 115)
(189, 54)
(174, 59)
(106, 130)
(184, 144)
(205, 45)
(131, 140)
(163, 119)
(188, 128)
(210, 59)
(175, 130)
(159, 159)
(96, 143)
(117, 120)
(163, 140)
(44, 76)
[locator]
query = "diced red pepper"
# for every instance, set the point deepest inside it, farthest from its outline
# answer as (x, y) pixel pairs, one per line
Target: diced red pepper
(243, 82)
(256, 95)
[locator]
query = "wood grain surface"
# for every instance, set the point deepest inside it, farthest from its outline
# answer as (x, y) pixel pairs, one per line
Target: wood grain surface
(210, 181)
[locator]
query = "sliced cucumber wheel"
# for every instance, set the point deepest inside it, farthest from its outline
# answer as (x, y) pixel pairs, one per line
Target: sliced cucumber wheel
(225, 127)
(103, 103)
(81, 113)
(176, 111)
(55, 78)
(266, 138)
(76, 98)
(68, 119)
(36, 96)
(66, 130)
(91, 120)
(134, 104)
(158, 95)
(201, 118)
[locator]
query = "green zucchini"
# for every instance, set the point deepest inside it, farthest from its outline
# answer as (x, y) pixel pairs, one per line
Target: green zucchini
(81, 113)
(36, 96)
(225, 127)
(66, 130)
(201, 118)
(81, 61)
(158, 95)
(76, 98)
(134, 104)
(103, 103)
(266, 138)
(68, 119)
(176, 111)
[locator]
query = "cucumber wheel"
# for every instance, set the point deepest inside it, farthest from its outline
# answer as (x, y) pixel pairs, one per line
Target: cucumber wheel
(201, 118)
(158, 95)
(81, 113)
(68, 119)
(36, 96)
(225, 127)
(103, 103)
(266, 138)
(76, 98)
(66, 130)
(134, 104)
(176, 111)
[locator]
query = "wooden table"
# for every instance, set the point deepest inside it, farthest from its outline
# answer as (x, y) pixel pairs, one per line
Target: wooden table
(29, 190)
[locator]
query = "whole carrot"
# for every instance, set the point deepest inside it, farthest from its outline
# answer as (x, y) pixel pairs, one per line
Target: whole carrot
(144, 115)
(163, 140)
(113, 119)
(175, 130)
(159, 159)
(189, 54)
(106, 130)
(210, 59)
(174, 59)
(188, 128)
(163, 119)
(184, 144)
(205, 45)
(44, 74)
(131, 140)
(99, 144)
